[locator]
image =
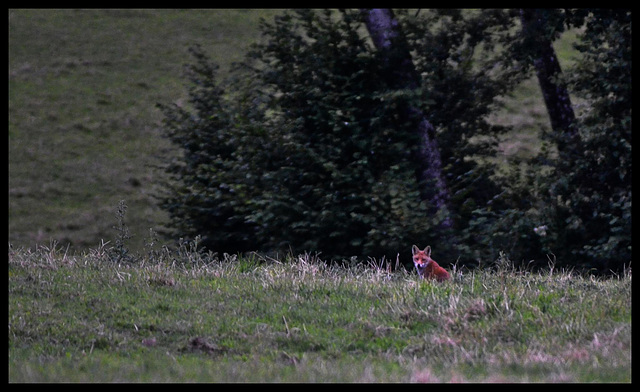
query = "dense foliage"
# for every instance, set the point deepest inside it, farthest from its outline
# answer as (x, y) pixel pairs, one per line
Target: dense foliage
(592, 186)
(305, 149)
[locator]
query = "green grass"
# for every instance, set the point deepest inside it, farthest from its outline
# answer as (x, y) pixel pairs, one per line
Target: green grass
(84, 131)
(186, 316)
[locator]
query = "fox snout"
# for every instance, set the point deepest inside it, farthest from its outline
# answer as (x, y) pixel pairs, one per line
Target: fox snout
(420, 264)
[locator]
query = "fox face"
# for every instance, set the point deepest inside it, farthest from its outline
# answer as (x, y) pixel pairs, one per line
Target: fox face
(426, 266)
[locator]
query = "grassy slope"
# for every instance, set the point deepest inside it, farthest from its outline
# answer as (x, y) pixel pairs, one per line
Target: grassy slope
(83, 127)
(85, 318)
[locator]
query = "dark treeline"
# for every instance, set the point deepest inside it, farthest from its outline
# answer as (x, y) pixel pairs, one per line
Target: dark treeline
(359, 132)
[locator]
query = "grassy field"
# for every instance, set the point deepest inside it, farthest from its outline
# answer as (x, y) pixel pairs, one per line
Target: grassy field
(190, 317)
(84, 131)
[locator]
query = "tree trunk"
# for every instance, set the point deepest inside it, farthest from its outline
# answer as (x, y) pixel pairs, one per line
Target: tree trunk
(556, 96)
(400, 73)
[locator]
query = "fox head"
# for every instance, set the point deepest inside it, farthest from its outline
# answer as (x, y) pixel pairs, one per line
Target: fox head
(421, 258)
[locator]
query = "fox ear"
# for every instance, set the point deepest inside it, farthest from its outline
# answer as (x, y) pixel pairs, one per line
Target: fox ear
(415, 249)
(427, 251)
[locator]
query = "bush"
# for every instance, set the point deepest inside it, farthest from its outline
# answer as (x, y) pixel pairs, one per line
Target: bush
(305, 147)
(207, 188)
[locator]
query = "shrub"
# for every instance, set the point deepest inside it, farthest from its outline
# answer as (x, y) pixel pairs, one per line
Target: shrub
(305, 147)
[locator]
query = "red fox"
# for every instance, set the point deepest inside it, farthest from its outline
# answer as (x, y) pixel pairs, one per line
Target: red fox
(426, 266)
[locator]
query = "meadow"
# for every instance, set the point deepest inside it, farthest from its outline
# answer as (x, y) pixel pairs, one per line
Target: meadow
(85, 133)
(84, 130)
(194, 316)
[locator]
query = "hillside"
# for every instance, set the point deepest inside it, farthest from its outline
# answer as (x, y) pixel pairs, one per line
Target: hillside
(84, 132)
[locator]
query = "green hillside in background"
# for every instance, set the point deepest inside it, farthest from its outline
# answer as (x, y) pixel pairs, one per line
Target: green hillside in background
(84, 131)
